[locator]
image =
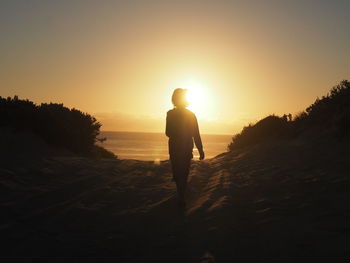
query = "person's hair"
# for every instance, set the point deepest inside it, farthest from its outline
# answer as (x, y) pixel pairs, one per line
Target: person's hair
(179, 98)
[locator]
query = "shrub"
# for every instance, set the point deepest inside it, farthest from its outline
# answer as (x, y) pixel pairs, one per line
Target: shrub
(332, 109)
(330, 113)
(58, 125)
(266, 128)
(100, 152)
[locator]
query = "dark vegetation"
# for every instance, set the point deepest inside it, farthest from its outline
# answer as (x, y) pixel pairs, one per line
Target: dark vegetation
(57, 125)
(330, 114)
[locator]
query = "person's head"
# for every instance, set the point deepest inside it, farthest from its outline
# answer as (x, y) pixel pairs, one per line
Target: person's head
(179, 98)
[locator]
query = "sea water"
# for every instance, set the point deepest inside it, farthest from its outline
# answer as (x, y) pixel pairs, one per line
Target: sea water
(154, 146)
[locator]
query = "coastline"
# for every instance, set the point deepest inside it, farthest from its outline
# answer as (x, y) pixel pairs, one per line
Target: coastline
(154, 146)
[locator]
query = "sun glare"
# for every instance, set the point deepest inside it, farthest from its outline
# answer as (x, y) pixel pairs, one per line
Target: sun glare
(194, 95)
(197, 98)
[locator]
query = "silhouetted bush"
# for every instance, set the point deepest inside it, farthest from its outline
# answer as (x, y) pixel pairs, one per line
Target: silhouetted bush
(329, 114)
(100, 152)
(58, 125)
(269, 127)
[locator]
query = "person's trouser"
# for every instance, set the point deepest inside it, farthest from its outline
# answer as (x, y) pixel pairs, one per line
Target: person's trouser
(181, 169)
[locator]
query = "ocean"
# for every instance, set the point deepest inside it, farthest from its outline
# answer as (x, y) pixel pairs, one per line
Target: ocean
(154, 146)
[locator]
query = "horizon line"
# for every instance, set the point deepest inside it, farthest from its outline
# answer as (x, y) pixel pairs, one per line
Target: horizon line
(164, 132)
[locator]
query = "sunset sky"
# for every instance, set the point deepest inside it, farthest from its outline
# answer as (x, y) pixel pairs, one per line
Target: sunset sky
(121, 60)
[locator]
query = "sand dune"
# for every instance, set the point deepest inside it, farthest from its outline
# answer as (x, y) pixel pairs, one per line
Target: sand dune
(281, 201)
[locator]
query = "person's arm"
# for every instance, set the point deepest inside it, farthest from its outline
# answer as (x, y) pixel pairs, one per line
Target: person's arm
(197, 139)
(167, 126)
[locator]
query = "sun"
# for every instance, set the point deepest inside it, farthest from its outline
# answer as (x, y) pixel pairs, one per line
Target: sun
(201, 97)
(196, 96)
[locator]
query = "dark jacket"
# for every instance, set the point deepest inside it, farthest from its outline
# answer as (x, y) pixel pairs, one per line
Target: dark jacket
(182, 128)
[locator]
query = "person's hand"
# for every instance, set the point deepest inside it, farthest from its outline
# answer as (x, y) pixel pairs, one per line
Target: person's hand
(201, 155)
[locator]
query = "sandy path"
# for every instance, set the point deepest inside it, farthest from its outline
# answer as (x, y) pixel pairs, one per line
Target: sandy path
(267, 203)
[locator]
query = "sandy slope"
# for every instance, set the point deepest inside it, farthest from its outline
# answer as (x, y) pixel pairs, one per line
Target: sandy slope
(280, 202)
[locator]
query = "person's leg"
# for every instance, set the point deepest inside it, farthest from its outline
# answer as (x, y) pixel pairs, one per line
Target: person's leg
(176, 169)
(181, 168)
(182, 176)
(185, 172)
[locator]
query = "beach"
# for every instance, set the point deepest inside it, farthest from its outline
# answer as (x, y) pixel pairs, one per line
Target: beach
(284, 201)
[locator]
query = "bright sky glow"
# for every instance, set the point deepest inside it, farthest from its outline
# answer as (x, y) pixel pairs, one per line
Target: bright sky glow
(197, 96)
(121, 60)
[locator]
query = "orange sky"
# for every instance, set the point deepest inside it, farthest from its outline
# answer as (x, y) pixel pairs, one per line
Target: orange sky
(120, 60)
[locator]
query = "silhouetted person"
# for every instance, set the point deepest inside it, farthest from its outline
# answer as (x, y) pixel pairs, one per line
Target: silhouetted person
(182, 128)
